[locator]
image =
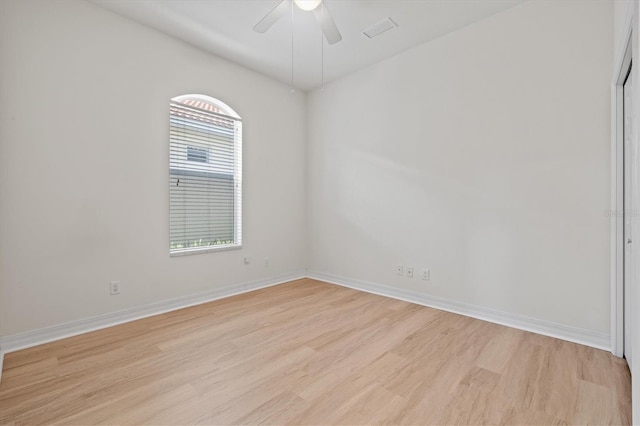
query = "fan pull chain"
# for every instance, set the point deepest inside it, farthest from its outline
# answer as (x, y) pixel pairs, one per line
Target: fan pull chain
(322, 48)
(292, 10)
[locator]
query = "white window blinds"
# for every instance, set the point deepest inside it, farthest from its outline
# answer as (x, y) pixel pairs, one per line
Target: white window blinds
(205, 176)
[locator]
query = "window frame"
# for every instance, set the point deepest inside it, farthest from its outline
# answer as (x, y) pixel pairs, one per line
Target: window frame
(228, 113)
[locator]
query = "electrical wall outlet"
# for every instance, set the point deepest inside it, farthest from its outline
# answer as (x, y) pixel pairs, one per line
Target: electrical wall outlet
(426, 275)
(114, 288)
(409, 271)
(267, 262)
(399, 270)
(247, 260)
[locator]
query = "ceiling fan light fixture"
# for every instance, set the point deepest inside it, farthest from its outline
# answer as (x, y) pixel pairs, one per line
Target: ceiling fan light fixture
(307, 5)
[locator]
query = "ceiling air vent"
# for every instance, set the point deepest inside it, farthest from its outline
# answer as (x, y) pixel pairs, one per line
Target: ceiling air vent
(380, 27)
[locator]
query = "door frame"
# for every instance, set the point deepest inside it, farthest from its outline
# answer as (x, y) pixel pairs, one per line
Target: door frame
(621, 67)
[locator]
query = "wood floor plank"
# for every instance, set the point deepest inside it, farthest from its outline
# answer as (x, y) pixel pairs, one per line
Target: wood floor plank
(596, 405)
(280, 409)
(308, 352)
(472, 402)
(500, 350)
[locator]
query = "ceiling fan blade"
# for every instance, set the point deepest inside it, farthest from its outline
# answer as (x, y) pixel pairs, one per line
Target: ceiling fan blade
(272, 17)
(329, 28)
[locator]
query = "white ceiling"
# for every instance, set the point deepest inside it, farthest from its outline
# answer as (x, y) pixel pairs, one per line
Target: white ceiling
(225, 28)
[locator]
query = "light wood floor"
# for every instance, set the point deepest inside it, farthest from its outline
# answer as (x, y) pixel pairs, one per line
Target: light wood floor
(307, 352)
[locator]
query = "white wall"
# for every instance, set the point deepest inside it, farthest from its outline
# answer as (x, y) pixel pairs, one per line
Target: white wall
(84, 165)
(484, 156)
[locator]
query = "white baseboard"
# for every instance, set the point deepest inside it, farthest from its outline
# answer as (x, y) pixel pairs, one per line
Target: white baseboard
(591, 338)
(44, 335)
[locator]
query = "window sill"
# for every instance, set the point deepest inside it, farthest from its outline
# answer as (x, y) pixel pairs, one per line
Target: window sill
(207, 249)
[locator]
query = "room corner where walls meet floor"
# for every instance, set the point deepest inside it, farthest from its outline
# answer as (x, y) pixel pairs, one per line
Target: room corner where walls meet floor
(61, 331)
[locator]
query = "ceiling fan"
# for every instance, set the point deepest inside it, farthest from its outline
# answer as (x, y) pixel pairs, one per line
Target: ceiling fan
(329, 28)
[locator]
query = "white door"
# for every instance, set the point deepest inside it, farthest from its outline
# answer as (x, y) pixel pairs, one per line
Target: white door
(628, 216)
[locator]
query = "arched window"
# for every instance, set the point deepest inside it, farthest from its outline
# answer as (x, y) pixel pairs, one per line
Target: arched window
(205, 175)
